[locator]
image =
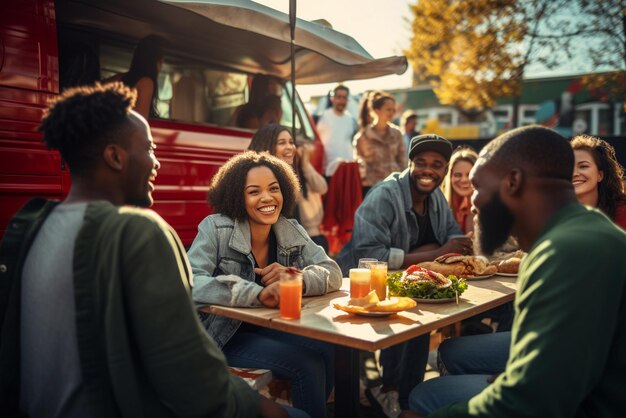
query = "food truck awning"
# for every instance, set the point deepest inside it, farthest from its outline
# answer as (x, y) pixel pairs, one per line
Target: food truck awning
(237, 34)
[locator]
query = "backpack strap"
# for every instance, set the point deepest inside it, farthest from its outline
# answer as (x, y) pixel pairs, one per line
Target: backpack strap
(20, 233)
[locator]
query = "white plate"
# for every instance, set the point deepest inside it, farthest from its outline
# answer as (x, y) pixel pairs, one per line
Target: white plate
(420, 300)
(486, 276)
(375, 314)
(507, 274)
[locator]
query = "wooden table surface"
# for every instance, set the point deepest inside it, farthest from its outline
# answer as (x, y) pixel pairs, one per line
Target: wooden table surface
(351, 333)
(321, 321)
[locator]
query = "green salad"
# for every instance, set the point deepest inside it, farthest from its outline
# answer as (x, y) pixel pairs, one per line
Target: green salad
(397, 287)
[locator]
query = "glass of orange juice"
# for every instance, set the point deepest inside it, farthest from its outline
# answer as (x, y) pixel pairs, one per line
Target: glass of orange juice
(290, 294)
(359, 282)
(379, 279)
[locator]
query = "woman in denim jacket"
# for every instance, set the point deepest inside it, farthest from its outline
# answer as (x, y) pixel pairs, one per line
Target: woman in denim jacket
(237, 258)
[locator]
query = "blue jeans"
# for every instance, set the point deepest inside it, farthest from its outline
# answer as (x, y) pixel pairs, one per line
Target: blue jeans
(475, 354)
(307, 364)
(404, 366)
(465, 364)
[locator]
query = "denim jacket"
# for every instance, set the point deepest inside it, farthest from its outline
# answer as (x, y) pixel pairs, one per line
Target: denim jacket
(385, 223)
(223, 267)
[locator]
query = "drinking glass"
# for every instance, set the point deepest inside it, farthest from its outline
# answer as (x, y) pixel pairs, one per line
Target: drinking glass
(290, 295)
(379, 279)
(359, 282)
(365, 263)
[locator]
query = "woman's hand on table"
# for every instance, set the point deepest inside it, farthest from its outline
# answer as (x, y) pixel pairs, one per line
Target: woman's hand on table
(270, 274)
(270, 295)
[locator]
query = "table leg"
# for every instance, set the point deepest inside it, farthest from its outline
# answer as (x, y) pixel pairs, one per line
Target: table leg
(346, 382)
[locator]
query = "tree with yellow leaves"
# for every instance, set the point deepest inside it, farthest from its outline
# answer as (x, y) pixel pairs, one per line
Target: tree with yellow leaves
(474, 52)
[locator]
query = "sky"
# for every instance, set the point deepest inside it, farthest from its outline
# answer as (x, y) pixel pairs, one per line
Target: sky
(382, 27)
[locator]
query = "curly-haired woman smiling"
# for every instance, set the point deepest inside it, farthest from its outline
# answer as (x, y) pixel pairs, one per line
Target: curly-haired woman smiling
(598, 177)
(237, 258)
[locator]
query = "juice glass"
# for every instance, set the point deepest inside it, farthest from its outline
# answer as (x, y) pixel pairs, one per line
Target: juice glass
(359, 282)
(379, 279)
(290, 295)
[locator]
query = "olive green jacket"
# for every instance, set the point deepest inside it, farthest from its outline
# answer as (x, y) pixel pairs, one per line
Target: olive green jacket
(142, 350)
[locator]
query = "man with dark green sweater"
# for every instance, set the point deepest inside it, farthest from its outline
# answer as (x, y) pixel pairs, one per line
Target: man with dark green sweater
(567, 348)
(95, 314)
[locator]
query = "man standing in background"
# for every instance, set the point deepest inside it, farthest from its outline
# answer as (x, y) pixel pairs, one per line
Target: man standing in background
(336, 128)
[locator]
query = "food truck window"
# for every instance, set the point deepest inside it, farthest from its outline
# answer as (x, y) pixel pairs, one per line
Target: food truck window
(189, 90)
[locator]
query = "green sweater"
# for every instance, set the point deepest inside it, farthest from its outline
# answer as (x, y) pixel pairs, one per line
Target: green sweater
(142, 349)
(568, 342)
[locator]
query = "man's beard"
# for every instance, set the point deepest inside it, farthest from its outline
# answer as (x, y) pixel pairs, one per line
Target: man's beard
(495, 222)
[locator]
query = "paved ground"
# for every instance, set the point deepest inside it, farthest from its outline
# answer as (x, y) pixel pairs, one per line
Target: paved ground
(368, 365)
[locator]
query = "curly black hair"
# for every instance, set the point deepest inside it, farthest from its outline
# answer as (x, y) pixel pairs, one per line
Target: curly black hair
(611, 188)
(226, 194)
(83, 120)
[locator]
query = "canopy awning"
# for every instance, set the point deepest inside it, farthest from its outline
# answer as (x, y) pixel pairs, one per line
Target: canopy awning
(236, 34)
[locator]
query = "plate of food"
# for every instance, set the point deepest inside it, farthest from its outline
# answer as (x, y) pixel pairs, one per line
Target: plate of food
(460, 265)
(422, 284)
(371, 306)
(507, 274)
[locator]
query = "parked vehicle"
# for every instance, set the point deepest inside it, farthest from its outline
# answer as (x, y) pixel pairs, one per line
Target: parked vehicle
(212, 51)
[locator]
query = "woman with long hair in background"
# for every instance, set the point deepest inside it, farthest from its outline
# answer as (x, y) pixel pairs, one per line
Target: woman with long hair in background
(457, 187)
(598, 177)
(381, 144)
(143, 74)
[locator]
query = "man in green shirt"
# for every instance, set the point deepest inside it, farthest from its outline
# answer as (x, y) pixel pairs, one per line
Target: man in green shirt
(566, 356)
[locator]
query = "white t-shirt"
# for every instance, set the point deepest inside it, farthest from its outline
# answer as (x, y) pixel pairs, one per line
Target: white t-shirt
(336, 132)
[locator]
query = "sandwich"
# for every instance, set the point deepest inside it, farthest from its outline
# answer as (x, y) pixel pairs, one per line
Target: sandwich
(508, 262)
(460, 265)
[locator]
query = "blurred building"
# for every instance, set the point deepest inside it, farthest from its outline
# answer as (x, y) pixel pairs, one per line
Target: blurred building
(562, 103)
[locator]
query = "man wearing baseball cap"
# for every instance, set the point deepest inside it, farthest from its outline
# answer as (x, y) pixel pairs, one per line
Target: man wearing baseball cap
(405, 220)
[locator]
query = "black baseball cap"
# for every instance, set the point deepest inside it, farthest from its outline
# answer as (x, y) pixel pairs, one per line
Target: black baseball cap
(430, 142)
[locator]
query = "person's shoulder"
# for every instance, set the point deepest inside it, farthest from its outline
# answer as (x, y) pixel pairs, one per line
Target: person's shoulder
(292, 228)
(386, 188)
(584, 229)
(218, 220)
(395, 130)
(137, 215)
(104, 216)
(327, 114)
(144, 82)
(221, 220)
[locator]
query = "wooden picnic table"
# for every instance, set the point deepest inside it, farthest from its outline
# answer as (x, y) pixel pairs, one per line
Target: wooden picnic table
(351, 333)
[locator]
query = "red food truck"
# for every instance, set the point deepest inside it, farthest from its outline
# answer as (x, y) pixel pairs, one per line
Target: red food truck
(212, 51)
